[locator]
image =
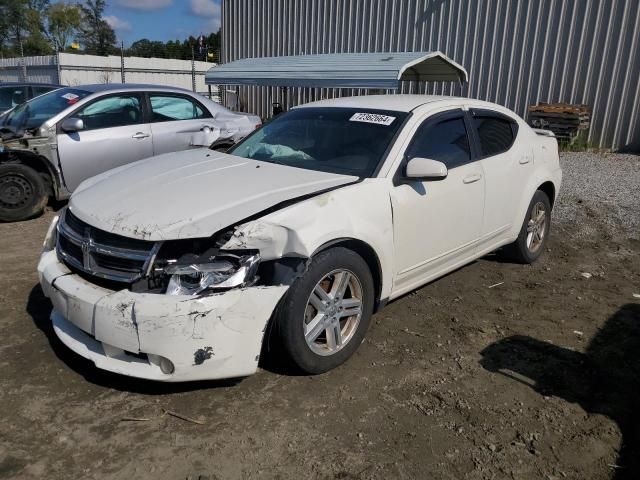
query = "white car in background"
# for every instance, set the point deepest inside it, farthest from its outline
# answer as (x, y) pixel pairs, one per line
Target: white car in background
(53, 142)
(180, 267)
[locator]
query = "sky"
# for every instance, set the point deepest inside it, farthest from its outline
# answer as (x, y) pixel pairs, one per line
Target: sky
(162, 19)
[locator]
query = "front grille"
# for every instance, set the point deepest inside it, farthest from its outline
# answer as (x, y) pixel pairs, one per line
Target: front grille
(71, 249)
(103, 254)
(110, 262)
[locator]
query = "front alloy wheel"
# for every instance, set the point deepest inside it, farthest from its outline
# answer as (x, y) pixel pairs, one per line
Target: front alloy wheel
(324, 315)
(333, 312)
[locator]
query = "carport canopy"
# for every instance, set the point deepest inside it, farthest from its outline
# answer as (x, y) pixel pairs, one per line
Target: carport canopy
(339, 70)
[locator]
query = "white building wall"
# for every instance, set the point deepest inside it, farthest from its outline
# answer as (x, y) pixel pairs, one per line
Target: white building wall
(74, 69)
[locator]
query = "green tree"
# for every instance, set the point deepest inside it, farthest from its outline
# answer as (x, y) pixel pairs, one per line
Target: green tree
(63, 23)
(22, 27)
(96, 35)
(147, 48)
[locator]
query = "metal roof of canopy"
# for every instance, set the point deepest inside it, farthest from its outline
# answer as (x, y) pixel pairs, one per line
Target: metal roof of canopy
(339, 70)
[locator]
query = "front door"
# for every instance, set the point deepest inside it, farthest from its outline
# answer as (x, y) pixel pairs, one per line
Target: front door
(114, 134)
(437, 223)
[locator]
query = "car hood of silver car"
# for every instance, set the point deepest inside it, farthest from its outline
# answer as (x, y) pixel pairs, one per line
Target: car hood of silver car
(191, 194)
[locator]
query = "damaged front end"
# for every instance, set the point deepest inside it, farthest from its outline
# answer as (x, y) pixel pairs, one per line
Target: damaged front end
(176, 310)
(37, 149)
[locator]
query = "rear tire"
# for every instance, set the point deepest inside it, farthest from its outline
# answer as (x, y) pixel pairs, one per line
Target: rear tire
(324, 316)
(22, 192)
(534, 233)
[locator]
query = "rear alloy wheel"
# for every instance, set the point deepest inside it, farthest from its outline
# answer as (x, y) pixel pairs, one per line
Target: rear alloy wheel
(534, 231)
(22, 192)
(537, 227)
(325, 314)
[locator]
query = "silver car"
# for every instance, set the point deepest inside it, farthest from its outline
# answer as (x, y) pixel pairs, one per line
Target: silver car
(54, 142)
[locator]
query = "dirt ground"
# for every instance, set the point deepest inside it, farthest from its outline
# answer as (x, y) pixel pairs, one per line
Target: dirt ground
(495, 371)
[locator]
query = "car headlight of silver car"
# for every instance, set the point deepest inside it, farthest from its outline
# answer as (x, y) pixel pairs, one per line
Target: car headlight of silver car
(222, 272)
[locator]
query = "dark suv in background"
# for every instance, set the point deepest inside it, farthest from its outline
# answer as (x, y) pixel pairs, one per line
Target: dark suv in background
(12, 94)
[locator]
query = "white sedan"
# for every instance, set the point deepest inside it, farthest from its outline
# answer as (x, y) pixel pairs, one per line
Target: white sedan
(188, 265)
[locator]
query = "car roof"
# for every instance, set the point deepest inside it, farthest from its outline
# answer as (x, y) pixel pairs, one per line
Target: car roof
(107, 87)
(395, 102)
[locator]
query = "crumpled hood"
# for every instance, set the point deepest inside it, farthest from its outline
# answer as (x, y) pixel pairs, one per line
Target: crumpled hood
(190, 194)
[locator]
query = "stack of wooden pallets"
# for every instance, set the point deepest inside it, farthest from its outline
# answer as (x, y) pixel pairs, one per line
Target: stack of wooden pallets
(567, 122)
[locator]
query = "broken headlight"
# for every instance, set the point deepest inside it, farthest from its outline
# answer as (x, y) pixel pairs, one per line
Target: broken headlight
(221, 273)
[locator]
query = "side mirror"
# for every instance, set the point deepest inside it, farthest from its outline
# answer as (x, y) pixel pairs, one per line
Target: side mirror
(425, 168)
(72, 124)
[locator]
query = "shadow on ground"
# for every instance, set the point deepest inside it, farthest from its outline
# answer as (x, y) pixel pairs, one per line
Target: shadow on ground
(603, 380)
(39, 307)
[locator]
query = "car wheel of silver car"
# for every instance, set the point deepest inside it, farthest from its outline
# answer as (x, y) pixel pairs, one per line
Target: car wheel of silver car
(534, 232)
(22, 192)
(325, 314)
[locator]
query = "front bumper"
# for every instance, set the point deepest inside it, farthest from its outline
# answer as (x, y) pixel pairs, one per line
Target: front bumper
(205, 338)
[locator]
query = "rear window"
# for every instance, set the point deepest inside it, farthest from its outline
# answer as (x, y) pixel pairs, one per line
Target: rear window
(496, 134)
(167, 108)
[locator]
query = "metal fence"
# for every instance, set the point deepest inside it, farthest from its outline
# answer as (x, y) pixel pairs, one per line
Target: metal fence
(517, 52)
(73, 69)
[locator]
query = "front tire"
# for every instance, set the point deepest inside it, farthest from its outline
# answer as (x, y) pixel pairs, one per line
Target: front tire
(326, 312)
(22, 192)
(535, 230)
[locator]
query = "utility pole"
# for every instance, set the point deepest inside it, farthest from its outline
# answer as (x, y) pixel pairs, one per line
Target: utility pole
(58, 70)
(122, 61)
(24, 65)
(193, 68)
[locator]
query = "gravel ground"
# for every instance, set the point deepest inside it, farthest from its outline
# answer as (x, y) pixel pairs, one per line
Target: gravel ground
(608, 184)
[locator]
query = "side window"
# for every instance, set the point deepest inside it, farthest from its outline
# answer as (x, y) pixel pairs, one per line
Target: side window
(496, 134)
(12, 96)
(115, 111)
(446, 141)
(169, 108)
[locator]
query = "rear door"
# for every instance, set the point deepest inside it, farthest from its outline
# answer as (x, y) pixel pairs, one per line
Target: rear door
(506, 168)
(115, 133)
(176, 120)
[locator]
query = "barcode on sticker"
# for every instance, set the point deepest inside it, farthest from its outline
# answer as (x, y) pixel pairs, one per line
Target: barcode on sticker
(372, 118)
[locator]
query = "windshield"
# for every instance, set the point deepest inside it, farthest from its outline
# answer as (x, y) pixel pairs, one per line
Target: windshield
(348, 141)
(35, 112)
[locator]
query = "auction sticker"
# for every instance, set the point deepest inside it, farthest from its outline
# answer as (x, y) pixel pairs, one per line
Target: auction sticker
(70, 96)
(372, 118)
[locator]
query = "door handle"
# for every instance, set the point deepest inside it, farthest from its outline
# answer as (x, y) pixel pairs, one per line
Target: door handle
(524, 160)
(140, 135)
(472, 178)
